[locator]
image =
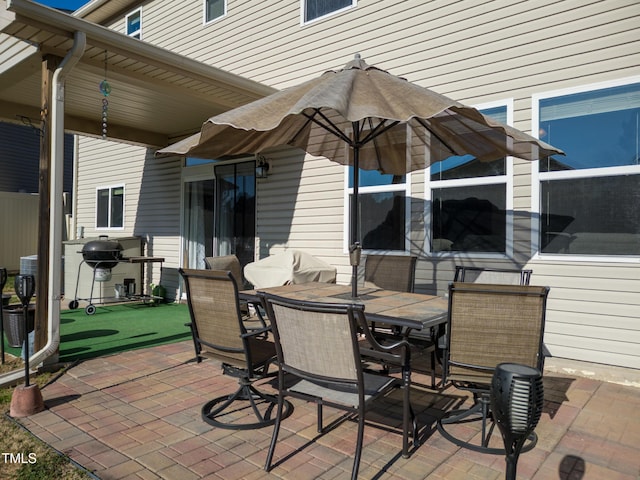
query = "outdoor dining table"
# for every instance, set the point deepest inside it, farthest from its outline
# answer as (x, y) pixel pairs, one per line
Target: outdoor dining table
(416, 314)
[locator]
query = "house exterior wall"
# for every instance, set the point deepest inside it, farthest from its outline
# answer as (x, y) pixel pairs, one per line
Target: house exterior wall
(474, 52)
(18, 228)
(151, 201)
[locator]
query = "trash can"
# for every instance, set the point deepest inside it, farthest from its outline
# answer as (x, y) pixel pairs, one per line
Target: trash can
(13, 320)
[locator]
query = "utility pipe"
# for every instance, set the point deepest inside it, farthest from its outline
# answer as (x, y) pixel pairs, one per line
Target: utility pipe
(56, 207)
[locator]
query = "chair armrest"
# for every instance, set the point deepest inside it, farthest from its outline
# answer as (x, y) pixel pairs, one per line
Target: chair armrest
(256, 332)
(250, 296)
(398, 352)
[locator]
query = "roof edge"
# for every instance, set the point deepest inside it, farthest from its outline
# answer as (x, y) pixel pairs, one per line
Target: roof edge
(57, 21)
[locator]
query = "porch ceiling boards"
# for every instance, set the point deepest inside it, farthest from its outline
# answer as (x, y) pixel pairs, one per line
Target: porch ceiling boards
(157, 96)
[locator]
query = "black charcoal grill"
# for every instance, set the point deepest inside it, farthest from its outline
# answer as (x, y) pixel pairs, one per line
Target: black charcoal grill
(102, 253)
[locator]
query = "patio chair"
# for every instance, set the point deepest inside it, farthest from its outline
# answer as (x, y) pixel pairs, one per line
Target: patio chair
(319, 360)
(488, 325)
(251, 312)
(220, 333)
(396, 272)
(227, 262)
(505, 276)
(502, 276)
(390, 272)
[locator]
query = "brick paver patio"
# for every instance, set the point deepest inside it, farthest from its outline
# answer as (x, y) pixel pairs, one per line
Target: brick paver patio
(136, 415)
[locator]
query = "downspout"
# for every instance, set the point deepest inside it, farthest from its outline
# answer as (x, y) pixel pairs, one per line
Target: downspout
(56, 190)
(56, 206)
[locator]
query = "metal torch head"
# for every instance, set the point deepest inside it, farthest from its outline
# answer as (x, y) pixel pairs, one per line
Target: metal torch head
(517, 398)
(25, 287)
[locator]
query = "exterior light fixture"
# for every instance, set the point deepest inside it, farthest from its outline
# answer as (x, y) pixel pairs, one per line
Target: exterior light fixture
(517, 398)
(262, 167)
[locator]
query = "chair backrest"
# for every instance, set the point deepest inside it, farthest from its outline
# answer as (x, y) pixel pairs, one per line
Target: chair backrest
(316, 341)
(230, 263)
(490, 324)
(505, 276)
(390, 272)
(212, 297)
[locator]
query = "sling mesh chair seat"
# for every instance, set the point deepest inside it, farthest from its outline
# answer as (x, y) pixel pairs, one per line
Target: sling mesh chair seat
(502, 276)
(489, 324)
(390, 272)
(251, 312)
(220, 333)
(319, 360)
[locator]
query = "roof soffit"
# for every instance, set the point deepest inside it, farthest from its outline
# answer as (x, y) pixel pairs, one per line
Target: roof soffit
(154, 91)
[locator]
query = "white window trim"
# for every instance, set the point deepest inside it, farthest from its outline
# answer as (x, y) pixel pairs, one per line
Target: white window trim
(400, 187)
(303, 5)
(506, 179)
(537, 176)
(124, 197)
(214, 20)
(126, 23)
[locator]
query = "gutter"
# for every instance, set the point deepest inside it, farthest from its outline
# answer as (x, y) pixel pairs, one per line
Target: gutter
(56, 211)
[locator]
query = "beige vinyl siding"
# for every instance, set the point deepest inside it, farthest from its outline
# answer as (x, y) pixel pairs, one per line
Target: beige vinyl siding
(151, 204)
(475, 52)
(301, 206)
(593, 310)
(18, 228)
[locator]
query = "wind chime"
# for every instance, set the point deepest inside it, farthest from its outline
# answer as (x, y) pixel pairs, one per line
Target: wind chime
(105, 89)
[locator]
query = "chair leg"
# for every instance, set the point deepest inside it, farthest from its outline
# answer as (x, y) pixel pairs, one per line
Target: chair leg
(319, 416)
(481, 411)
(246, 392)
(276, 431)
(196, 345)
(433, 368)
(359, 442)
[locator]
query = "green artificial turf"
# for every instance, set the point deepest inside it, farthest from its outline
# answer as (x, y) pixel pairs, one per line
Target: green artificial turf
(117, 328)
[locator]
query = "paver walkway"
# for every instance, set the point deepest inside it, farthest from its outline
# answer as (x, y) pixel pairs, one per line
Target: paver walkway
(136, 415)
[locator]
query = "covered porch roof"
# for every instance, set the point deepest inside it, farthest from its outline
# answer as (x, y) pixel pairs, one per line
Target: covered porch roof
(157, 96)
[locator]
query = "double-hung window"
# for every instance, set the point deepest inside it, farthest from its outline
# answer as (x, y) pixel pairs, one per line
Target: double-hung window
(110, 207)
(589, 200)
(214, 9)
(134, 24)
(315, 9)
(383, 204)
(470, 200)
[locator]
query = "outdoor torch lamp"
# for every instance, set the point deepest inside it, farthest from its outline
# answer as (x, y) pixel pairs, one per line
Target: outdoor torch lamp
(26, 400)
(25, 286)
(517, 398)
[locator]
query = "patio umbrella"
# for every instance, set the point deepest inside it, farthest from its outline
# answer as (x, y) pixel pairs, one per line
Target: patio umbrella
(361, 116)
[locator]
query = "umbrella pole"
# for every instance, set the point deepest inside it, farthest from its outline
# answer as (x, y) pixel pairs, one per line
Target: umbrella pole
(354, 248)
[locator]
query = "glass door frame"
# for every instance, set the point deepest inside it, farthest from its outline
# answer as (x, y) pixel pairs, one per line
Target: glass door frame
(202, 171)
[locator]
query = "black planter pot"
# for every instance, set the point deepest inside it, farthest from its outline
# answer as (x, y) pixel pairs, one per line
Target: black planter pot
(13, 321)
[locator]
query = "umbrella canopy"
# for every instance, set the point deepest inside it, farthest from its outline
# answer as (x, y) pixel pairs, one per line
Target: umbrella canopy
(359, 116)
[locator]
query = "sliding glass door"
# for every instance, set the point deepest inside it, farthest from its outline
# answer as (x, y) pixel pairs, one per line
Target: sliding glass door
(219, 214)
(198, 223)
(235, 220)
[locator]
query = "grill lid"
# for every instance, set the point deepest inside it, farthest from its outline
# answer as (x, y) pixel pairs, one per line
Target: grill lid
(102, 253)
